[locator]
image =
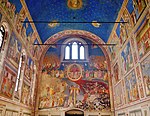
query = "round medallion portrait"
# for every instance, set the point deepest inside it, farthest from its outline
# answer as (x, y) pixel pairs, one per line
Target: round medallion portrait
(74, 4)
(74, 72)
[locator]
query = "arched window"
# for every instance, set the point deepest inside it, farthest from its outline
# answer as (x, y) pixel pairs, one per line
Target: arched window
(82, 52)
(67, 52)
(74, 50)
(2, 34)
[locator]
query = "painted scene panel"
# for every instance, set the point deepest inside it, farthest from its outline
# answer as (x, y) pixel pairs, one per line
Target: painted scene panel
(134, 49)
(29, 69)
(131, 87)
(8, 81)
(146, 74)
(118, 94)
(113, 49)
(126, 58)
(141, 89)
(14, 50)
(25, 97)
(143, 41)
(116, 73)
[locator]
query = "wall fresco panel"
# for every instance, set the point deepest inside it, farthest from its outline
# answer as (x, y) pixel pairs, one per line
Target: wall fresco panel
(145, 65)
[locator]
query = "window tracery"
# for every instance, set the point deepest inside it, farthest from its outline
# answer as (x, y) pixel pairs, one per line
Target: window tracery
(75, 50)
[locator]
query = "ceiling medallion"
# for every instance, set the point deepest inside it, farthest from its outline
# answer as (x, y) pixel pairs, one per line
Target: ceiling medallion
(53, 24)
(75, 4)
(74, 72)
(96, 24)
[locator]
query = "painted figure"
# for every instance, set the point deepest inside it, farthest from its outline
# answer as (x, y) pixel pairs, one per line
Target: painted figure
(127, 59)
(146, 74)
(131, 87)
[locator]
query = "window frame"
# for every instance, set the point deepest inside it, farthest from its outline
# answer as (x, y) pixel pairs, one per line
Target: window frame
(69, 42)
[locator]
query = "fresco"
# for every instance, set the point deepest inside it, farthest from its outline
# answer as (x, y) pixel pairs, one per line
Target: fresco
(28, 34)
(20, 17)
(143, 41)
(127, 18)
(141, 89)
(29, 69)
(8, 81)
(132, 40)
(146, 74)
(71, 7)
(118, 94)
(9, 8)
(116, 73)
(126, 58)
(139, 6)
(29, 37)
(133, 18)
(14, 50)
(113, 49)
(36, 48)
(123, 33)
(25, 96)
(74, 4)
(78, 84)
(28, 28)
(124, 92)
(68, 92)
(131, 87)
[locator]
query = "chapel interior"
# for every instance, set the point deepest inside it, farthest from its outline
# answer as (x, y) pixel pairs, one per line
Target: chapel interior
(74, 58)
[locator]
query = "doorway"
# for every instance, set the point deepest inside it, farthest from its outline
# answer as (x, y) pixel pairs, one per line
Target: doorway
(74, 112)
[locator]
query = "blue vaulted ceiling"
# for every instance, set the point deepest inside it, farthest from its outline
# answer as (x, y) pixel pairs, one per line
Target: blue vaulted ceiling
(91, 10)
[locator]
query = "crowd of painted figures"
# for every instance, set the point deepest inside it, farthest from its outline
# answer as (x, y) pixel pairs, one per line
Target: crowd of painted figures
(92, 95)
(102, 102)
(87, 75)
(91, 90)
(96, 96)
